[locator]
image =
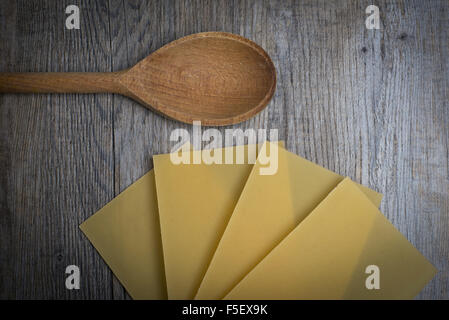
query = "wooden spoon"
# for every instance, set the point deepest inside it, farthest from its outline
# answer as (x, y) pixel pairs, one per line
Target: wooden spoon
(215, 77)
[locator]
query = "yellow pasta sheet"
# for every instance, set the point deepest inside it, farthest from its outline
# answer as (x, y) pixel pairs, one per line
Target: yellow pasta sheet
(126, 233)
(345, 249)
(195, 204)
(269, 207)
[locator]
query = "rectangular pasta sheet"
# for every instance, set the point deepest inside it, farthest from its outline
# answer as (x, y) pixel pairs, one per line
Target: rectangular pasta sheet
(334, 251)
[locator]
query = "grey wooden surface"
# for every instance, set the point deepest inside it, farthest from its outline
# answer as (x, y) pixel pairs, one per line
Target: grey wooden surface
(369, 104)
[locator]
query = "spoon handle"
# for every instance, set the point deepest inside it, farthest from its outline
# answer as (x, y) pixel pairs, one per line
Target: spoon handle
(59, 82)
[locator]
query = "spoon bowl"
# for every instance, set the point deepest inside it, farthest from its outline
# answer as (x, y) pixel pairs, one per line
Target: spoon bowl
(217, 78)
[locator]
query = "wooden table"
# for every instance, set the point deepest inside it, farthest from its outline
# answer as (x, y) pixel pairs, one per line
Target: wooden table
(368, 104)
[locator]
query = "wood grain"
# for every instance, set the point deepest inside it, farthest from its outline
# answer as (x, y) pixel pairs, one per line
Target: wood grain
(368, 104)
(60, 82)
(56, 155)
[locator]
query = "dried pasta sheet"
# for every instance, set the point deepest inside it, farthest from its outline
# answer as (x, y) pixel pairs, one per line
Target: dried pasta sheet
(195, 204)
(127, 235)
(269, 207)
(328, 254)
